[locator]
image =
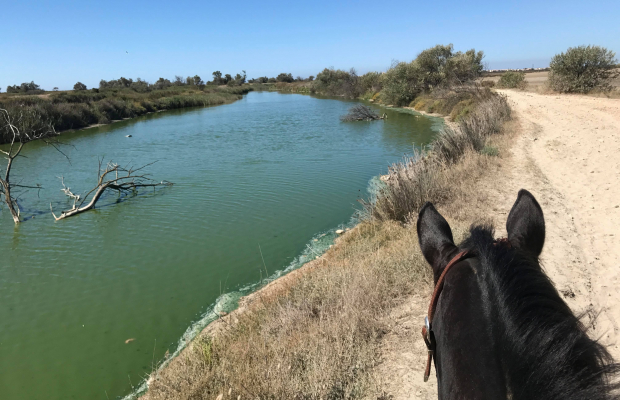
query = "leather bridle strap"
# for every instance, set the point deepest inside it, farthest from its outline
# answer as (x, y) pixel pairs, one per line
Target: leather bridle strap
(427, 332)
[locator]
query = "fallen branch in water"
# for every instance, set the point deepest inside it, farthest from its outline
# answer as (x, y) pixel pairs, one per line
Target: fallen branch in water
(114, 177)
(361, 113)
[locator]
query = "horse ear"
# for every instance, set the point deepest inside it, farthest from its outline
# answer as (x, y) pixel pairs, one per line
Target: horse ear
(526, 224)
(435, 236)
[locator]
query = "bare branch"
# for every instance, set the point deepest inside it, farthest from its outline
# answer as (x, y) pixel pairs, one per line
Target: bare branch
(113, 177)
(361, 113)
(21, 125)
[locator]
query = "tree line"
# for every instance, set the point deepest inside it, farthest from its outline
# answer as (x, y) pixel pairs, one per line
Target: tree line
(141, 86)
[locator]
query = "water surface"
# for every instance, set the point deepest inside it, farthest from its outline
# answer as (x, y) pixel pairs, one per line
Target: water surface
(265, 174)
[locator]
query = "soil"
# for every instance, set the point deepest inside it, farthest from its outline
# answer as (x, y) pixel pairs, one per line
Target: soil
(565, 151)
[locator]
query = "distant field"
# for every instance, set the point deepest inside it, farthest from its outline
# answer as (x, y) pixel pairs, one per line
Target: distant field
(536, 80)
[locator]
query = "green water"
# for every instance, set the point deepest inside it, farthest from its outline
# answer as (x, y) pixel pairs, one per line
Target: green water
(271, 170)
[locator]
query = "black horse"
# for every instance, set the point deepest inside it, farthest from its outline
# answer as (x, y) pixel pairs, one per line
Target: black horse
(499, 329)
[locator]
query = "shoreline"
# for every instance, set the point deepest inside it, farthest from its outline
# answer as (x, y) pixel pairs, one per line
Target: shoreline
(118, 107)
(218, 319)
(340, 303)
(137, 116)
(222, 318)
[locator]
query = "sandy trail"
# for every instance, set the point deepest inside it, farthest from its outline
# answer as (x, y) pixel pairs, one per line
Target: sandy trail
(567, 154)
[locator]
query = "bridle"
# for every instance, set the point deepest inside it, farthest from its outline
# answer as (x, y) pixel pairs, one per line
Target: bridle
(427, 331)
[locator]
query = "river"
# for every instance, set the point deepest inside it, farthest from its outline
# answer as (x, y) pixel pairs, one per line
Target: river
(259, 186)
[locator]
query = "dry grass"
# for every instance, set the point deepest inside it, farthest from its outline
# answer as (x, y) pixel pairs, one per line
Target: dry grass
(318, 338)
(423, 177)
(317, 332)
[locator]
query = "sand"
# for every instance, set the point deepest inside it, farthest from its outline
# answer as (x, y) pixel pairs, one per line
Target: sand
(566, 152)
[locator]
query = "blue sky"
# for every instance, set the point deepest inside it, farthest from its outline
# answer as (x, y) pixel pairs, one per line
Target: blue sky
(57, 43)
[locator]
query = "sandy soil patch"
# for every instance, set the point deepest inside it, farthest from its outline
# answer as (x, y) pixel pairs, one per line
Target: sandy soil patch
(564, 151)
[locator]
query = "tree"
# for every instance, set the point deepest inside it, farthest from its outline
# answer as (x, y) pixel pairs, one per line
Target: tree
(198, 81)
(114, 177)
(436, 67)
(217, 78)
(238, 80)
(178, 80)
(284, 77)
(55, 88)
(140, 86)
(338, 82)
(79, 86)
(24, 88)
(311, 78)
(227, 78)
(20, 125)
(582, 69)
(162, 83)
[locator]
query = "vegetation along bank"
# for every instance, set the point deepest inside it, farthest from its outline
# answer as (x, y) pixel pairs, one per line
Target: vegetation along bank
(331, 329)
(115, 100)
(317, 333)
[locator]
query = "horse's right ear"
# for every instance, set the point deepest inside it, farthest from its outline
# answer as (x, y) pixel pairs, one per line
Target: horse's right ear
(526, 224)
(435, 236)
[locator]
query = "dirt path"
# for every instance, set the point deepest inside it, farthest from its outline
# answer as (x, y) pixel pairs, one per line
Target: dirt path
(567, 153)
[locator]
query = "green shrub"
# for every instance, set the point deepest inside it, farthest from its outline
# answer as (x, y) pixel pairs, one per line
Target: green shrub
(437, 67)
(371, 82)
(582, 69)
(401, 84)
(337, 82)
(462, 109)
(490, 151)
(284, 77)
(82, 108)
(512, 80)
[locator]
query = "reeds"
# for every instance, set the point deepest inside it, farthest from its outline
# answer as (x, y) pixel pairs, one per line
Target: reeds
(421, 178)
(76, 110)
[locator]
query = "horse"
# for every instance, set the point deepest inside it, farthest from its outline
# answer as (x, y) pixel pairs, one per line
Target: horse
(497, 327)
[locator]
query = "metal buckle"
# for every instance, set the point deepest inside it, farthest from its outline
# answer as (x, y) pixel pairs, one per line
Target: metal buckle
(428, 329)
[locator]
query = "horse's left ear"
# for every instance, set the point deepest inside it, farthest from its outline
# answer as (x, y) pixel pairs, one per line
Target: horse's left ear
(526, 224)
(435, 237)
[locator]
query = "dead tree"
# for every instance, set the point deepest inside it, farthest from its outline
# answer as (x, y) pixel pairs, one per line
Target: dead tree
(115, 178)
(361, 113)
(19, 126)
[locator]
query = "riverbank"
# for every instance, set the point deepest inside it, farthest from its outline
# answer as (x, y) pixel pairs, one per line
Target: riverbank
(67, 111)
(320, 330)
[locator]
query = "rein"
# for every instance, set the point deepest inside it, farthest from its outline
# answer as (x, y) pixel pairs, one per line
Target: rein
(427, 331)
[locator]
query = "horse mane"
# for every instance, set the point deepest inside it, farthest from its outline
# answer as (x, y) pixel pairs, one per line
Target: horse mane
(545, 349)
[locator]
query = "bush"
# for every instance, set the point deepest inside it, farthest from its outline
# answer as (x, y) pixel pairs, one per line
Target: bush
(79, 86)
(437, 67)
(401, 84)
(415, 180)
(336, 82)
(28, 88)
(284, 77)
(491, 151)
(360, 113)
(81, 108)
(582, 69)
(512, 80)
(371, 82)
